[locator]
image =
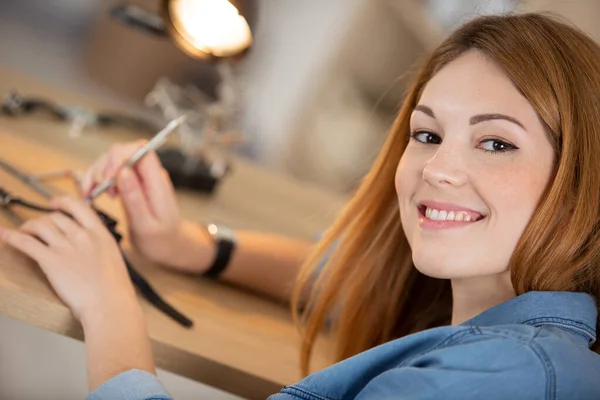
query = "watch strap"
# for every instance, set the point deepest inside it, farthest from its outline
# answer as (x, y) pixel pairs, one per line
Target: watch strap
(225, 242)
(222, 258)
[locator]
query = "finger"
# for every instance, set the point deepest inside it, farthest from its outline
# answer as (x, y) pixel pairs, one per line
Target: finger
(26, 244)
(156, 184)
(118, 156)
(133, 198)
(88, 182)
(45, 230)
(79, 210)
(107, 165)
(65, 224)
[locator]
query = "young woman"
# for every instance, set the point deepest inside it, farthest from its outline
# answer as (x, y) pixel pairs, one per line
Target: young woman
(470, 254)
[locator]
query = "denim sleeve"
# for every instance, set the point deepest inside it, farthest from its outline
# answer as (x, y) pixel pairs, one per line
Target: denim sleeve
(131, 385)
(491, 370)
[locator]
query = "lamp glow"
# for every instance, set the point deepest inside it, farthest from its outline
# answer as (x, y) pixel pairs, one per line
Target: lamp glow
(214, 27)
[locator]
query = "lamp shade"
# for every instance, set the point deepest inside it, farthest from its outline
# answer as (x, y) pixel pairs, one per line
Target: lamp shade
(207, 29)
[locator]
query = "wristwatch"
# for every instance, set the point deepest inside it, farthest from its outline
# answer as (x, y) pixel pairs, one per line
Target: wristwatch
(225, 240)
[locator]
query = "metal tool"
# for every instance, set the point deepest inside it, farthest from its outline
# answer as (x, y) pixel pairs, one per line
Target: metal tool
(158, 140)
(26, 179)
(15, 105)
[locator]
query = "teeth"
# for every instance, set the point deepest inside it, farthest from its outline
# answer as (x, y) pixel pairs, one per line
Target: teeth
(443, 215)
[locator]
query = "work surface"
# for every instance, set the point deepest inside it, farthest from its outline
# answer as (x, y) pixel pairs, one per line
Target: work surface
(240, 343)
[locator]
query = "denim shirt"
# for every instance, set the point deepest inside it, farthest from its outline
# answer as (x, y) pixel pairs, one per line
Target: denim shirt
(535, 346)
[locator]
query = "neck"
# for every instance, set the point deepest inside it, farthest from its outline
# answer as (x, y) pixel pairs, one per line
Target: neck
(472, 296)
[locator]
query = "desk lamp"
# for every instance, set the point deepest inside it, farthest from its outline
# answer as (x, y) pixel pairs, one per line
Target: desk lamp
(209, 30)
(202, 29)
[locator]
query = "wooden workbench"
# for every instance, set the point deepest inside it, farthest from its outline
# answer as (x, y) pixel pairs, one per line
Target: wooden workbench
(240, 343)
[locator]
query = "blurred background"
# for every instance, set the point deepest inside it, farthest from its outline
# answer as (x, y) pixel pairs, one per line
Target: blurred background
(316, 92)
(313, 97)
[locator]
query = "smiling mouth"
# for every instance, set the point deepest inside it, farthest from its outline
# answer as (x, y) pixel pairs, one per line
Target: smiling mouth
(430, 214)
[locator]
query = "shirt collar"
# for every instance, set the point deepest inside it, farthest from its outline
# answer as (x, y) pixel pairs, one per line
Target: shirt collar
(576, 312)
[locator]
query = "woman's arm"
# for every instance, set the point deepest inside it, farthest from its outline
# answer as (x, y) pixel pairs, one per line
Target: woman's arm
(263, 262)
(268, 263)
(116, 341)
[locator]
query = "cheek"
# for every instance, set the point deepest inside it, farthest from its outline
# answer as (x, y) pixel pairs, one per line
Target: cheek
(399, 179)
(409, 172)
(406, 180)
(514, 194)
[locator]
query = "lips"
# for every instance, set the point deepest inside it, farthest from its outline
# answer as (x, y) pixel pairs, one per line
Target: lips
(439, 215)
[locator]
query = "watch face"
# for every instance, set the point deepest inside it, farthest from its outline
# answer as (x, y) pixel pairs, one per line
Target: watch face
(221, 232)
(213, 229)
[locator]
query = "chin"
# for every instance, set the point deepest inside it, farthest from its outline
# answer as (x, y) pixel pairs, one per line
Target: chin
(448, 267)
(437, 271)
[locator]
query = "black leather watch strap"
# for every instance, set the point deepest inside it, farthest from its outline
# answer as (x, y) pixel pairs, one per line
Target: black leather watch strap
(224, 251)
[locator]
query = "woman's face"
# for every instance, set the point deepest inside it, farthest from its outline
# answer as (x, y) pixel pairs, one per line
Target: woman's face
(474, 171)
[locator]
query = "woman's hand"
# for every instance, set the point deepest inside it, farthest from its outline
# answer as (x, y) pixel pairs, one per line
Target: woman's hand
(148, 197)
(85, 267)
(79, 256)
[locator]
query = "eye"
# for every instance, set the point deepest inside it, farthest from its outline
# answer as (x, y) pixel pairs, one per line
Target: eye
(496, 146)
(426, 137)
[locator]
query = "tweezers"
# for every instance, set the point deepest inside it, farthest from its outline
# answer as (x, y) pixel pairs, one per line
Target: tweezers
(153, 144)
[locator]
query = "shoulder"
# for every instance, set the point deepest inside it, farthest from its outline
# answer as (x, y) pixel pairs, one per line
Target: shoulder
(572, 368)
(496, 363)
(516, 362)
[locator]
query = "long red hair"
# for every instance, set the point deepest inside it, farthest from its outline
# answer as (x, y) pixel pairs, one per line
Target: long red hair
(369, 282)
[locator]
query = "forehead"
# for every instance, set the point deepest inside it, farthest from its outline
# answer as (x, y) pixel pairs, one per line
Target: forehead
(472, 82)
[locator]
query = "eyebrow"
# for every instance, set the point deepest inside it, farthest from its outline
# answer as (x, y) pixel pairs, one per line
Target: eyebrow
(474, 119)
(425, 110)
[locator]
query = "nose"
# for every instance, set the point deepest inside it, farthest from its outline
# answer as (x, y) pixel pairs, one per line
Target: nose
(445, 168)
